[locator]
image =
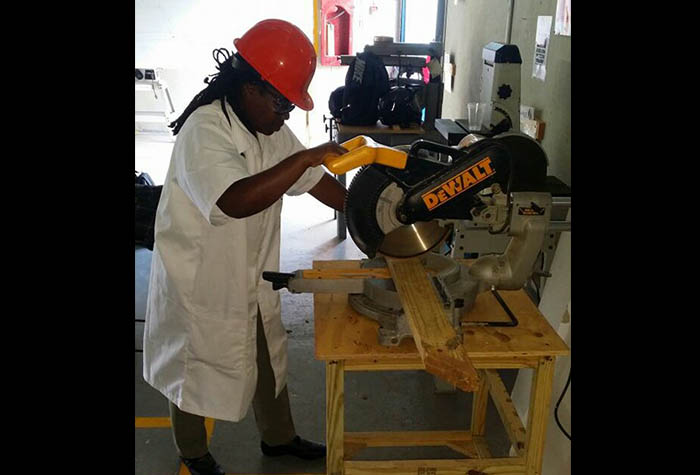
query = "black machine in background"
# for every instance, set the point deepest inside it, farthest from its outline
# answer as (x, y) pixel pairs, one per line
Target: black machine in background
(410, 58)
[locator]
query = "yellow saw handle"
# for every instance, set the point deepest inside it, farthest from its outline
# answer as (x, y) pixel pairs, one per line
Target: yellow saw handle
(362, 150)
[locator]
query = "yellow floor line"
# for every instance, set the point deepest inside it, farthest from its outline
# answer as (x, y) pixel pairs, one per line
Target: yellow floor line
(152, 422)
(159, 422)
(209, 425)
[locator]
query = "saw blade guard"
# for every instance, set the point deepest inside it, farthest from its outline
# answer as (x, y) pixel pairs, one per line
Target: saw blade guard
(370, 212)
(399, 212)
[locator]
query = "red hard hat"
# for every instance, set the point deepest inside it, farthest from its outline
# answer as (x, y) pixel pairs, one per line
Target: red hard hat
(283, 55)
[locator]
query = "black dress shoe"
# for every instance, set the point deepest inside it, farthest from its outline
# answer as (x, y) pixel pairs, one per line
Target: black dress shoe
(298, 447)
(205, 465)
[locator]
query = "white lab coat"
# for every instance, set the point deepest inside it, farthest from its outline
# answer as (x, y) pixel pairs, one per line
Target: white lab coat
(206, 273)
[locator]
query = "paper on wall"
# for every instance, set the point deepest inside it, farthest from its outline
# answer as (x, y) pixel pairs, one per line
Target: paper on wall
(544, 26)
(562, 24)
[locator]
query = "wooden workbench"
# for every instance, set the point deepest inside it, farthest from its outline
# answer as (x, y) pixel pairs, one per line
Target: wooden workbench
(347, 341)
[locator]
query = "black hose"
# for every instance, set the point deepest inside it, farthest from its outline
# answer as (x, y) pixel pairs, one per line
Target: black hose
(556, 408)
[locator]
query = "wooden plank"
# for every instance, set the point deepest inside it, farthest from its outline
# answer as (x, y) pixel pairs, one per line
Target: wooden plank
(500, 466)
(504, 363)
(385, 365)
(352, 449)
(430, 438)
(458, 440)
(374, 273)
(482, 447)
(359, 273)
(465, 448)
(342, 333)
(417, 364)
(479, 405)
(335, 423)
(436, 340)
(378, 129)
(509, 415)
(538, 415)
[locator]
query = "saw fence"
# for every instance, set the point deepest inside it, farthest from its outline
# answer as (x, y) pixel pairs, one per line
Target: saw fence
(347, 341)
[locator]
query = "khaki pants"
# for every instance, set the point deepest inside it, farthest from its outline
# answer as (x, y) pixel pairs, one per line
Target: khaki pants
(272, 415)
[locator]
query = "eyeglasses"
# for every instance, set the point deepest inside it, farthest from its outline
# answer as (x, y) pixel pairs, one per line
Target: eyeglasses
(281, 104)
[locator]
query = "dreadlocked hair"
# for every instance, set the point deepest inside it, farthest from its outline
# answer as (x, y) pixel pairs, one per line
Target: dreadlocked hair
(234, 71)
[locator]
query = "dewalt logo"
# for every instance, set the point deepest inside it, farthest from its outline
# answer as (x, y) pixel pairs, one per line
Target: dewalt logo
(458, 184)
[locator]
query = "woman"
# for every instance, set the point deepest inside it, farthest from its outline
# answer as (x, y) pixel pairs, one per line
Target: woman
(214, 341)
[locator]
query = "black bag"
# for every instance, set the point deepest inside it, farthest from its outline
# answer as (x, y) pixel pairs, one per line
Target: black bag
(147, 196)
(335, 102)
(143, 178)
(365, 82)
(400, 106)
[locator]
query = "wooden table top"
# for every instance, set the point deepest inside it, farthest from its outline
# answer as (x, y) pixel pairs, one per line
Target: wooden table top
(379, 128)
(341, 333)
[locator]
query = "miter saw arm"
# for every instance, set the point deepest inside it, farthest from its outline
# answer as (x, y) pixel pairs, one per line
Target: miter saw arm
(453, 192)
(396, 211)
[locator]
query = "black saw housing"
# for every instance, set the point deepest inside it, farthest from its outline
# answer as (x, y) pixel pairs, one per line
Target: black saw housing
(442, 182)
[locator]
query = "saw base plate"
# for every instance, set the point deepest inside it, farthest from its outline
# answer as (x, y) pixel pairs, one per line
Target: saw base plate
(380, 300)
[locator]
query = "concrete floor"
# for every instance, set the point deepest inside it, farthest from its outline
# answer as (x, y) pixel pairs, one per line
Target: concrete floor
(376, 401)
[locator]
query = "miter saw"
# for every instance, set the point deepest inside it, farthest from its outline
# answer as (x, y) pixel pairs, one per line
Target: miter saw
(405, 201)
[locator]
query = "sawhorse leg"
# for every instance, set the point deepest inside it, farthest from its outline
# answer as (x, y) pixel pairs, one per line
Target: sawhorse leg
(335, 423)
(538, 414)
(478, 424)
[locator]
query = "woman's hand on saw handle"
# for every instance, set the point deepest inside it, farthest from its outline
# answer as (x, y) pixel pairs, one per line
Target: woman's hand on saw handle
(317, 155)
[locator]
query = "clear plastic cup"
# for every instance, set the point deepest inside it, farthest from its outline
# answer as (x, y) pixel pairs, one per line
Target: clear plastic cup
(473, 116)
(483, 114)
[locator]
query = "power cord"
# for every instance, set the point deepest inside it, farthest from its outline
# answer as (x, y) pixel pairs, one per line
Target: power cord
(556, 408)
(568, 379)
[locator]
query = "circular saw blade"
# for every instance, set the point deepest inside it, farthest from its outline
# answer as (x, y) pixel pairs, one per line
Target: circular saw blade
(370, 207)
(413, 239)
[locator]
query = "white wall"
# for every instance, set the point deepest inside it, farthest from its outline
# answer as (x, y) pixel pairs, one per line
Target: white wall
(179, 36)
(471, 24)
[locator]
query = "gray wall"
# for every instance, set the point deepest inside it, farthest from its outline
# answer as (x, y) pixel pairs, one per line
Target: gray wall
(471, 24)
